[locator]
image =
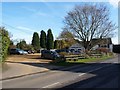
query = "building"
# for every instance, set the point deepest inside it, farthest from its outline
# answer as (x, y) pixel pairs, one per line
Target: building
(77, 48)
(104, 43)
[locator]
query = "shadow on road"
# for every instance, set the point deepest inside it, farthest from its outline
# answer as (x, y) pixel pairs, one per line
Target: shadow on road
(106, 73)
(97, 74)
(108, 77)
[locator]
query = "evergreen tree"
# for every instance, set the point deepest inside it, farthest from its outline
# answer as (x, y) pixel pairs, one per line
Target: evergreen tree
(36, 41)
(50, 42)
(43, 39)
(56, 44)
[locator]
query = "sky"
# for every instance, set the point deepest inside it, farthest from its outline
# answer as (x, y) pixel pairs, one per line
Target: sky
(22, 19)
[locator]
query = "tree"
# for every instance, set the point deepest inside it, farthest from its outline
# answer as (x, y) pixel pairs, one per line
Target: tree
(89, 21)
(22, 45)
(36, 41)
(4, 43)
(68, 37)
(56, 44)
(30, 47)
(11, 45)
(65, 34)
(62, 44)
(43, 39)
(50, 40)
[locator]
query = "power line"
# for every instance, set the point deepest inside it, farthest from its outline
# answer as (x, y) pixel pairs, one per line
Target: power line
(17, 29)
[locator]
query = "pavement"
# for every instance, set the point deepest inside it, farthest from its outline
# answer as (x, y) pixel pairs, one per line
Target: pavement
(17, 70)
(19, 66)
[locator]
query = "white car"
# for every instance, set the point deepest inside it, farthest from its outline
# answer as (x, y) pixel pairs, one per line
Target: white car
(18, 51)
(23, 52)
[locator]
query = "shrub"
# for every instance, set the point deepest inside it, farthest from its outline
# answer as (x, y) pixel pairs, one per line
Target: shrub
(104, 50)
(86, 56)
(5, 42)
(111, 54)
(63, 53)
(57, 60)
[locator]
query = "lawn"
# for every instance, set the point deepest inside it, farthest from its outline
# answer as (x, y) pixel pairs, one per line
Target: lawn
(80, 61)
(91, 59)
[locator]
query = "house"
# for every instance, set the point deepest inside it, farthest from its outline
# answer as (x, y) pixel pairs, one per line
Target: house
(104, 43)
(77, 48)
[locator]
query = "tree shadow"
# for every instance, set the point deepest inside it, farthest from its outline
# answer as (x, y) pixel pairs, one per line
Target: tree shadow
(100, 76)
(108, 78)
(108, 73)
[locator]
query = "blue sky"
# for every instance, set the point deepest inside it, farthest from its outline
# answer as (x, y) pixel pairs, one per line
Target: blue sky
(22, 19)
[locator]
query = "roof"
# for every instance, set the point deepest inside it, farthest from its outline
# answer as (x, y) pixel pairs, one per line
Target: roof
(76, 45)
(97, 41)
(102, 41)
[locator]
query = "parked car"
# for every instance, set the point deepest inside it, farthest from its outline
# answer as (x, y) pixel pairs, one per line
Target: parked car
(30, 51)
(50, 54)
(18, 51)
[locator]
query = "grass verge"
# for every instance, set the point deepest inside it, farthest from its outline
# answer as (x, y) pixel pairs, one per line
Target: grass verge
(70, 63)
(92, 59)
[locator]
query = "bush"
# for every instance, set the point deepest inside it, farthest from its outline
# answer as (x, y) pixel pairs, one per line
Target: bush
(63, 53)
(5, 43)
(104, 50)
(86, 56)
(57, 60)
(111, 54)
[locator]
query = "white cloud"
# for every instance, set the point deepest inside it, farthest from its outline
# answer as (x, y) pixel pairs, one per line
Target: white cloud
(25, 28)
(40, 14)
(28, 9)
(114, 3)
(34, 11)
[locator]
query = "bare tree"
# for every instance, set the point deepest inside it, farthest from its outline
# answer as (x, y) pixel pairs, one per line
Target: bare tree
(89, 21)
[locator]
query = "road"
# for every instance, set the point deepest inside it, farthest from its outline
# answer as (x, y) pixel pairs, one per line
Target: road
(89, 75)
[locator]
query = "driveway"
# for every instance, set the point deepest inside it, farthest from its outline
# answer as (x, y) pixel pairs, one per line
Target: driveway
(31, 58)
(22, 65)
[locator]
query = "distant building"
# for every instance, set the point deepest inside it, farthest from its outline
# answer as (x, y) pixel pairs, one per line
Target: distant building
(104, 43)
(77, 48)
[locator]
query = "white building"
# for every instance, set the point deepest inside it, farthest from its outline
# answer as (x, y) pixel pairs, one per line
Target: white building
(77, 48)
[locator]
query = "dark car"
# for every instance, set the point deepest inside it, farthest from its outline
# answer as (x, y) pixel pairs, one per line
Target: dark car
(17, 51)
(49, 54)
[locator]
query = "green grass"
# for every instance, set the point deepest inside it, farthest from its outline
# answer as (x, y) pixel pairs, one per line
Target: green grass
(91, 59)
(70, 63)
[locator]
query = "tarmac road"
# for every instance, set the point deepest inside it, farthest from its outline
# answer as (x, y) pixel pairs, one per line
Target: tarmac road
(89, 75)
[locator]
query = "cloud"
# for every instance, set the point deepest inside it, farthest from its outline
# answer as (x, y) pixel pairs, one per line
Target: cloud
(114, 3)
(28, 9)
(25, 28)
(41, 14)
(34, 11)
